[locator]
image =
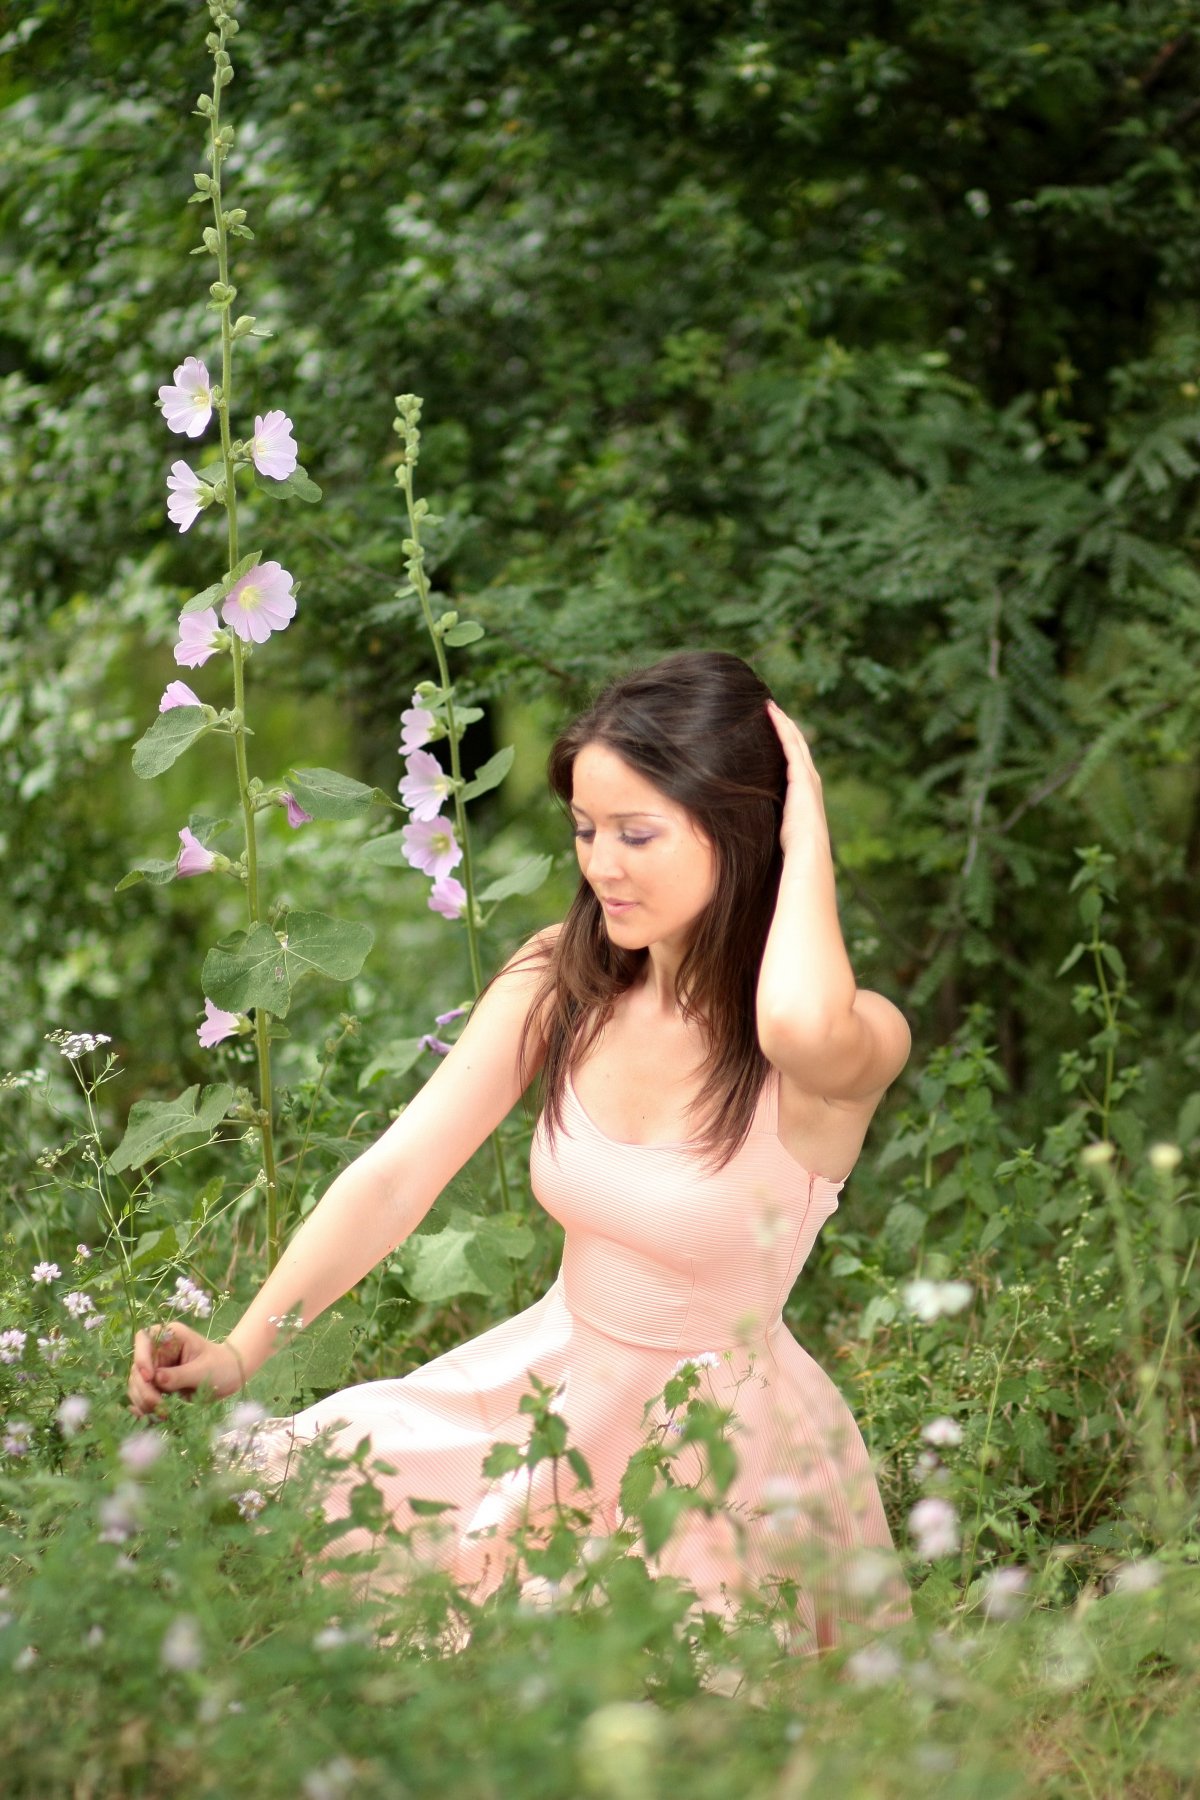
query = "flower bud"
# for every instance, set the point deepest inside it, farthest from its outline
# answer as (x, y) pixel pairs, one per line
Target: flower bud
(224, 77)
(1165, 1158)
(235, 216)
(203, 181)
(222, 293)
(212, 242)
(243, 325)
(1096, 1156)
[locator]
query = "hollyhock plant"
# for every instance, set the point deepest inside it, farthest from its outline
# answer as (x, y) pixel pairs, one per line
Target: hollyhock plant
(178, 693)
(185, 500)
(448, 897)
(260, 603)
(417, 723)
(218, 1025)
(193, 858)
(424, 785)
(431, 846)
(197, 638)
(187, 407)
(296, 815)
(273, 448)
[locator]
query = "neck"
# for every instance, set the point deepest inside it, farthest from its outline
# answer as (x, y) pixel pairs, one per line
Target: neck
(658, 979)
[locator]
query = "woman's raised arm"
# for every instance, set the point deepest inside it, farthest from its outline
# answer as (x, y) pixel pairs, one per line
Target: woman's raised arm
(373, 1205)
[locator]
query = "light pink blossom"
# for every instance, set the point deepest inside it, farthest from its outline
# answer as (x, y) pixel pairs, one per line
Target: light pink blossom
(79, 1304)
(12, 1345)
(72, 1414)
(260, 603)
(188, 1298)
(83, 1253)
(193, 858)
(187, 407)
(417, 725)
(142, 1450)
(273, 448)
(17, 1439)
(217, 1026)
(448, 896)
(296, 815)
(933, 1523)
(197, 632)
(942, 1432)
(178, 693)
(46, 1272)
(183, 495)
(430, 845)
(424, 785)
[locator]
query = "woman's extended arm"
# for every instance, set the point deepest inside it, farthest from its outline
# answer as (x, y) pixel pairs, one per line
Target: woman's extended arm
(814, 1022)
(372, 1206)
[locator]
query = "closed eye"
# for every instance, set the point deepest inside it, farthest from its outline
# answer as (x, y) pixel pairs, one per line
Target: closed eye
(635, 843)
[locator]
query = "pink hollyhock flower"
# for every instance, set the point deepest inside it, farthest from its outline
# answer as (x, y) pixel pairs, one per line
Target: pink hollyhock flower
(448, 897)
(183, 496)
(418, 725)
(193, 858)
(217, 1026)
(260, 603)
(429, 1042)
(424, 785)
(187, 407)
(178, 693)
(196, 633)
(296, 815)
(430, 845)
(273, 448)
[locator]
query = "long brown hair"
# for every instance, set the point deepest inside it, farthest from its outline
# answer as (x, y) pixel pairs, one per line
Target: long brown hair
(696, 726)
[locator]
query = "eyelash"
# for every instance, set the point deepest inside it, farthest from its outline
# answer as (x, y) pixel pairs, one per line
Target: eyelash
(586, 837)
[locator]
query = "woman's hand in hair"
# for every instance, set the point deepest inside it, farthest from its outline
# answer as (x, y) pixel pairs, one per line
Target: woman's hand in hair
(804, 820)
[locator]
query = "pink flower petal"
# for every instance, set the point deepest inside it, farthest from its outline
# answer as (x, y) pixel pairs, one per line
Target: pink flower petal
(430, 845)
(296, 815)
(273, 448)
(260, 603)
(448, 896)
(196, 633)
(193, 858)
(183, 498)
(217, 1025)
(417, 724)
(178, 693)
(424, 785)
(187, 407)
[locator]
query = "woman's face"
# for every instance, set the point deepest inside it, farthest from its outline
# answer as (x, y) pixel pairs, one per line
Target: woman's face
(651, 867)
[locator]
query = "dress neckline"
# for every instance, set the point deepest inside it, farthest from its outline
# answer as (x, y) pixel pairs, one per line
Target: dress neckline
(772, 1082)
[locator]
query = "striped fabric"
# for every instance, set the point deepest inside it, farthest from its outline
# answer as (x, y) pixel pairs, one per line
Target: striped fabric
(664, 1259)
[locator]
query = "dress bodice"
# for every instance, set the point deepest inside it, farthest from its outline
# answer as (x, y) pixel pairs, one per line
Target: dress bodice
(664, 1251)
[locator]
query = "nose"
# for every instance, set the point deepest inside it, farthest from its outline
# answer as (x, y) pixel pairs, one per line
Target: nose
(604, 861)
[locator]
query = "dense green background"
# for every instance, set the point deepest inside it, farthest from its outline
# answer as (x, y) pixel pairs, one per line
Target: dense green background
(861, 339)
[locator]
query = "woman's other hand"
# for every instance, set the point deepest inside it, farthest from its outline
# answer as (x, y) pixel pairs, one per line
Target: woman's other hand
(174, 1359)
(804, 821)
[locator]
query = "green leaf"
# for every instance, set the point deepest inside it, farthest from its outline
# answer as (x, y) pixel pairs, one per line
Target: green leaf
(466, 633)
(259, 968)
(295, 486)
(209, 596)
(468, 1256)
(525, 880)
(430, 1509)
(147, 868)
(396, 1058)
(155, 1247)
(327, 795)
(155, 1125)
(659, 1517)
(491, 774)
(637, 1483)
(167, 739)
(386, 852)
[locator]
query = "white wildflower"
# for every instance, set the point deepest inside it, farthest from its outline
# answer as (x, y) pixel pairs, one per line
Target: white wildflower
(250, 1503)
(72, 1414)
(141, 1451)
(45, 1272)
(18, 1436)
(1004, 1593)
(74, 1044)
(707, 1359)
(943, 1432)
(874, 1665)
(79, 1304)
(119, 1514)
(12, 1345)
(188, 1298)
(182, 1648)
(330, 1781)
(1136, 1577)
(937, 1299)
(1165, 1158)
(933, 1523)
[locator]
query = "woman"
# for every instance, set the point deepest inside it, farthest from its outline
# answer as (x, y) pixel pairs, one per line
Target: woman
(703, 1052)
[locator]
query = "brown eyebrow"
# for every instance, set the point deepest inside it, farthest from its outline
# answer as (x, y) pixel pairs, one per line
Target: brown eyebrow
(619, 816)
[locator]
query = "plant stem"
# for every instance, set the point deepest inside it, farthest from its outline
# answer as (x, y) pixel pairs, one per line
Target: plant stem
(421, 584)
(262, 1040)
